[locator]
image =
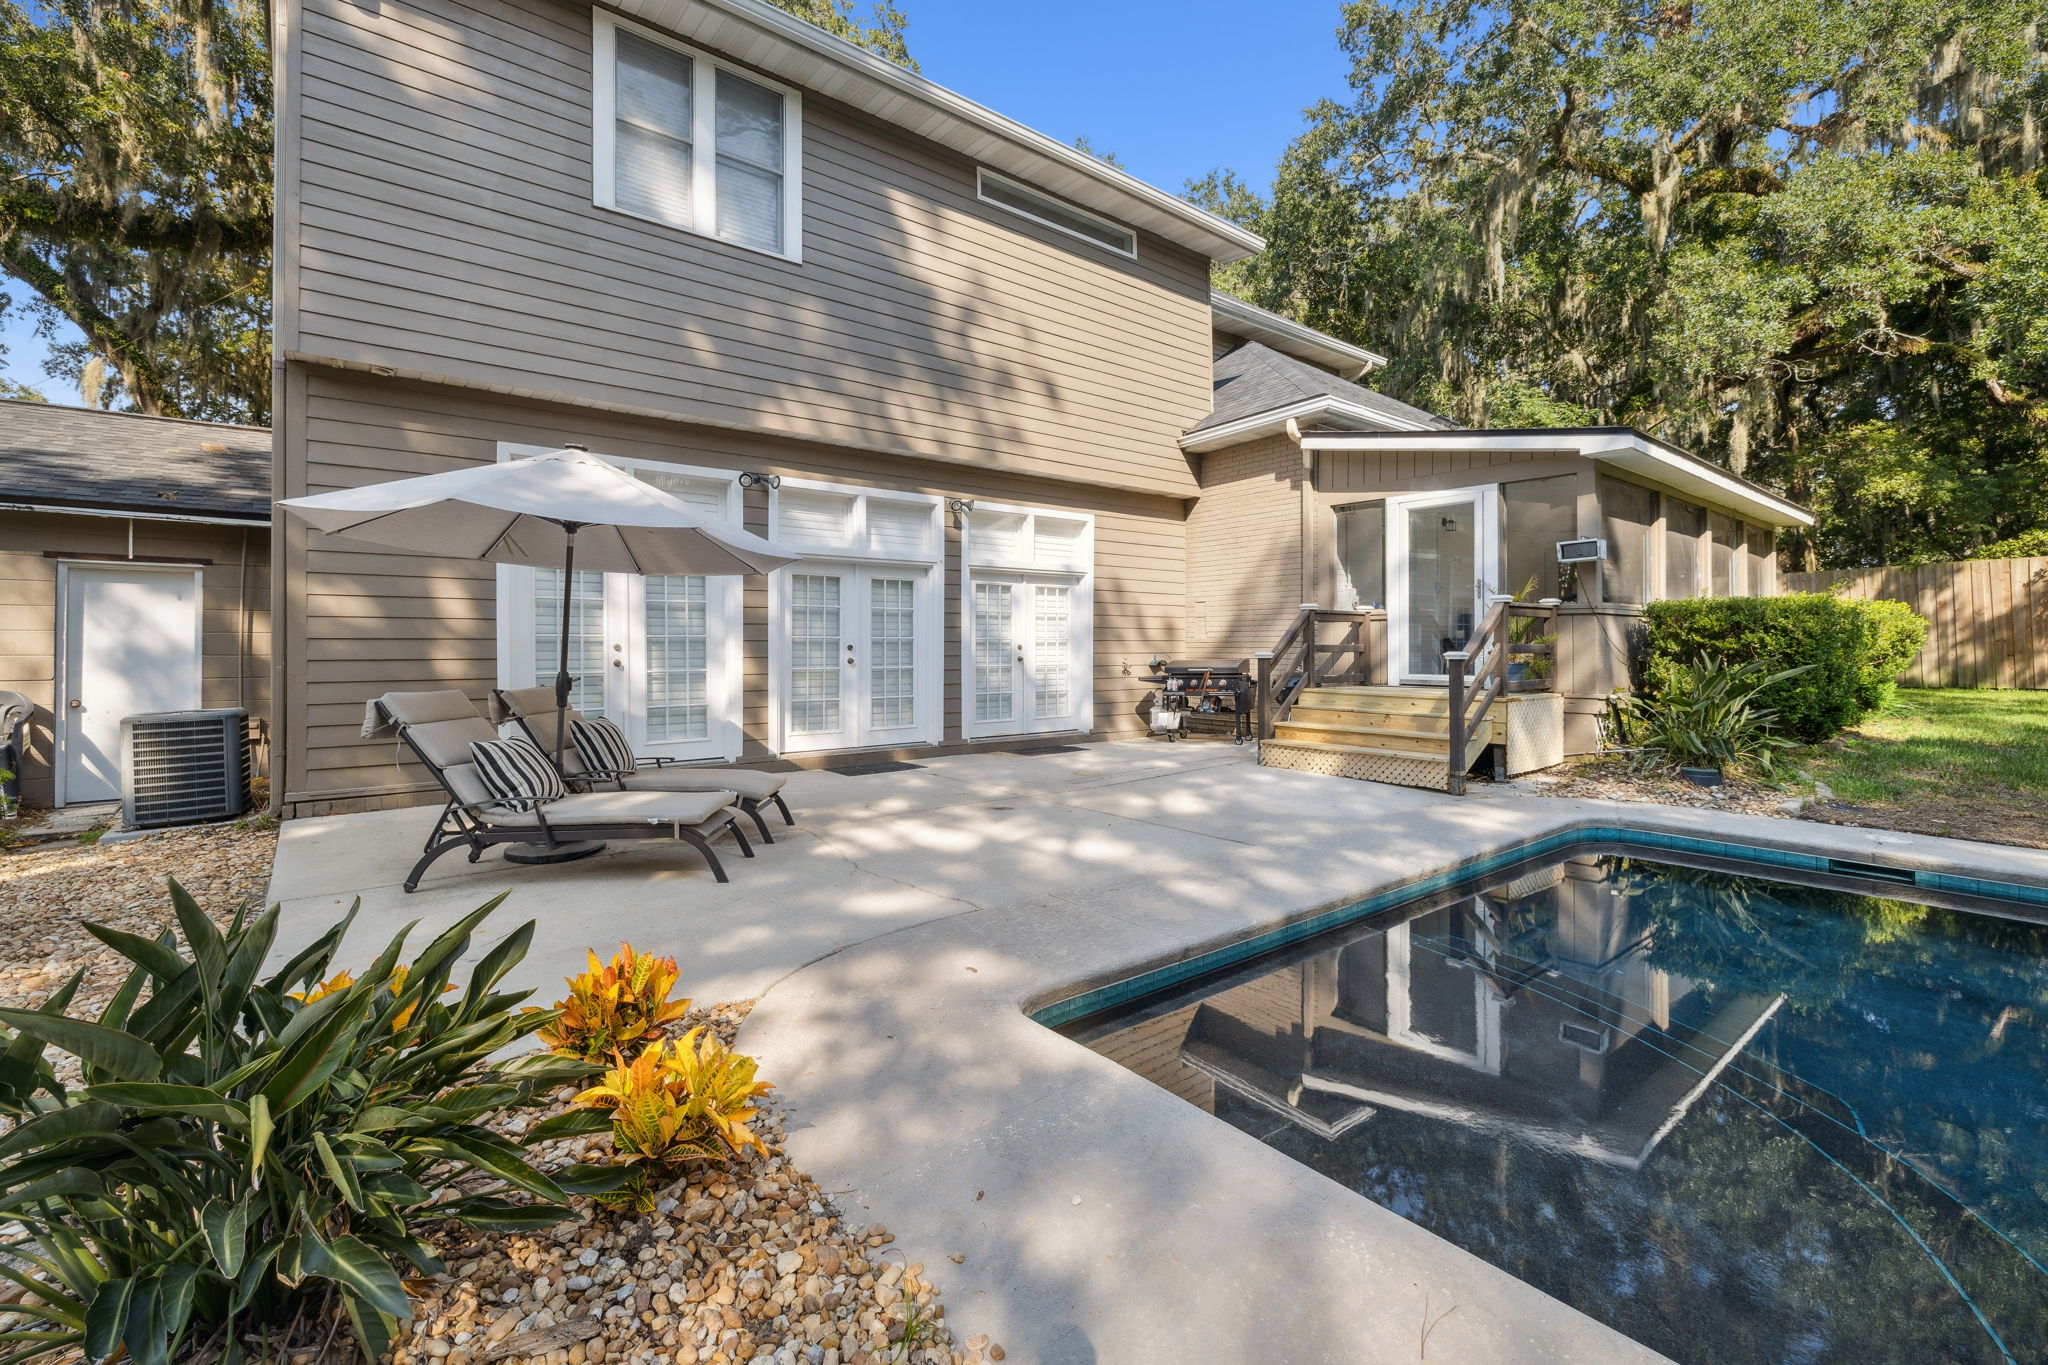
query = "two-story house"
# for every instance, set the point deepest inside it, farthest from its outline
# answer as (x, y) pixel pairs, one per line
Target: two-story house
(976, 376)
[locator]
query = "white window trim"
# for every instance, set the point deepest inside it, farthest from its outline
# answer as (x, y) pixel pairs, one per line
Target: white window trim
(724, 594)
(703, 137)
(1081, 608)
(931, 602)
(983, 175)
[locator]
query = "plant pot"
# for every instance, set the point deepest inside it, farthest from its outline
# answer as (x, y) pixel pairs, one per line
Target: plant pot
(1702, 777)
(1518, 671)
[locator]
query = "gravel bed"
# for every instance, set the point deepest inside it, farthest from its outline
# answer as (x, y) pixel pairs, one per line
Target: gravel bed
(1612, 780)
(747, 1262)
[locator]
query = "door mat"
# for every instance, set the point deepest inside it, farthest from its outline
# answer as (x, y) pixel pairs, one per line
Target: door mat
(863, 769)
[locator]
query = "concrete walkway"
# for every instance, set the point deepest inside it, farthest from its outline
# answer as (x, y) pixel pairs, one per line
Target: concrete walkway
(897, 940)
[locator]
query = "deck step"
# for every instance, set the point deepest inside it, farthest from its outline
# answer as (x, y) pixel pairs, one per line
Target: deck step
(1370, 717)
(1354, 761)
(1318, 729)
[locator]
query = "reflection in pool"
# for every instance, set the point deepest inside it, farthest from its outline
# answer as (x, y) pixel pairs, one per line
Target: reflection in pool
(1738, 1120)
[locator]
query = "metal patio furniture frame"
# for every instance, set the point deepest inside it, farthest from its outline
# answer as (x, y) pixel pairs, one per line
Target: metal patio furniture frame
(466, 821)
(507, 701)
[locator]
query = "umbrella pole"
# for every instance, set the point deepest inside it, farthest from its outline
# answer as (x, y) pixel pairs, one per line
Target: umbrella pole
(552, 851)
(562, 683)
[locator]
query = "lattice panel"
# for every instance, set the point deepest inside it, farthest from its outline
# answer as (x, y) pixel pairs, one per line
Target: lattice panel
(1535, 732)
(1430, 774)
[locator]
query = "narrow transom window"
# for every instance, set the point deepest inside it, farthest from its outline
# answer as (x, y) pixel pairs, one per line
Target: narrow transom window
(685, 140)
(1057, 214)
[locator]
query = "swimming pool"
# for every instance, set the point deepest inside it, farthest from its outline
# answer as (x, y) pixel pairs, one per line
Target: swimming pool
(1739, 1119)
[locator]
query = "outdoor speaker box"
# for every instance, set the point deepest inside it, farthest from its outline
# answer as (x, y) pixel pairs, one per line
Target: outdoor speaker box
(184, 767)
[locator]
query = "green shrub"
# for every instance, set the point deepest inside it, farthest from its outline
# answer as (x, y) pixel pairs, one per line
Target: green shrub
(1849, 652)
(243, 1152)
(1710, 715)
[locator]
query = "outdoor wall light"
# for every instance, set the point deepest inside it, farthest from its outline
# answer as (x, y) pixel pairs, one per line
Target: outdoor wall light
(752, 480)
(960, 506)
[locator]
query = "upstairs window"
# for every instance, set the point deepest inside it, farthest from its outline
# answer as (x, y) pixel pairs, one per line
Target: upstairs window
(1056, 214)
(683, 139)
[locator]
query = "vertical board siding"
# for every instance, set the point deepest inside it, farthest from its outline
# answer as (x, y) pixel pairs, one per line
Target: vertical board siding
(1987, 619)
(445, 228)
(369, 621)
(235, 652)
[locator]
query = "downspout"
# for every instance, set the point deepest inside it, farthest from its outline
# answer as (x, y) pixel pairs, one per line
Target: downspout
(1309, 554)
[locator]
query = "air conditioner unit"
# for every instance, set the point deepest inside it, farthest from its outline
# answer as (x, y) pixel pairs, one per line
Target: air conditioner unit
(1589, 1039)
(1581, 551)
(184, 767)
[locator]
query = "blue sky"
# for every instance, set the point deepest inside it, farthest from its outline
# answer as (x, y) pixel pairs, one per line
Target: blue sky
(1175, 88)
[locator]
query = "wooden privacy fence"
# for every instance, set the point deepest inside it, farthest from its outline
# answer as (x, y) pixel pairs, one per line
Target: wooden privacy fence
(1987, 619)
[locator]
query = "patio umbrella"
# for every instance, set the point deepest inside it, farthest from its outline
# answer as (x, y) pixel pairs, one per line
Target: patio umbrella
(542, 510)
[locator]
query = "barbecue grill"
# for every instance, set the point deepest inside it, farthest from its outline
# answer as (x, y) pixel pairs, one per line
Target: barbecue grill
(1206, 696)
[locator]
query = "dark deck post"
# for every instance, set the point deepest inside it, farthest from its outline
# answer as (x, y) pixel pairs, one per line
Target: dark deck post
(1310, 673)
(1262, 663)
(1454, 671)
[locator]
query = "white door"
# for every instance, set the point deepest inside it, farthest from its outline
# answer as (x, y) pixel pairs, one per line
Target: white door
(130, 645)
(1025, 666)
(1441, 560)
(857, 643)
(657, 656)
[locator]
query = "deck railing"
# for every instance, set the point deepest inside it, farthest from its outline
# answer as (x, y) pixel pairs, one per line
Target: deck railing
(1478, 673)
(1300, 660)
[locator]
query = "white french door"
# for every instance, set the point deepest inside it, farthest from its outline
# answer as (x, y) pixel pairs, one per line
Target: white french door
(1442, 557)
(1023, 632)
(856, 657)
(657, 656)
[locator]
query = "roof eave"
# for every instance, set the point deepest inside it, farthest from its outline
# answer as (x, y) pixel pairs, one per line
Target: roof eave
(1273, 420)
(1284, 334)
(804, 54)
(1621, 446)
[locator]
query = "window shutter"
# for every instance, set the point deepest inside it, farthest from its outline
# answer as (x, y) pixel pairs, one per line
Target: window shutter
(653, 152)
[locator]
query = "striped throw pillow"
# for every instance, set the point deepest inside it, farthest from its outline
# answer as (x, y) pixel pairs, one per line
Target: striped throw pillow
(516, 774)
(602, 747)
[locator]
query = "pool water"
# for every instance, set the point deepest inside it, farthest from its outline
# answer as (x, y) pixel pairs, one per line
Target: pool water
(1738, 1120)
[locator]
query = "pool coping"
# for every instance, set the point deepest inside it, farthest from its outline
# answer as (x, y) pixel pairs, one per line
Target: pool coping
(1103, 1218)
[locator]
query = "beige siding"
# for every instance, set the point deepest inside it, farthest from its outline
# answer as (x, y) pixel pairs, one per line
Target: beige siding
(436, 159)
(1245, 543)
(364, 621)
(235, 659)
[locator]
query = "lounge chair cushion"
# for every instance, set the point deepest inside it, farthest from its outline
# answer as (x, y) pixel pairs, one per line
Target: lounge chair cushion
(602, 747)
(745, 782)
(517, 775)
(689, 809)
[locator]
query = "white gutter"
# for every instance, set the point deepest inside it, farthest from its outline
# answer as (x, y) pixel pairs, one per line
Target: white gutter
(116, 514)
(783, 45)
(1618, 446)
(1275, 420)
(1285, 334)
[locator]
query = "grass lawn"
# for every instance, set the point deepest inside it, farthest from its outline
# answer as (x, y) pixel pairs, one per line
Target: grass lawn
(1965, 762)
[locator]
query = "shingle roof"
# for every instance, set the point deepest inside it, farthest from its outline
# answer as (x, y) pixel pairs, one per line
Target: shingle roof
(83, 457)
(1252, 378)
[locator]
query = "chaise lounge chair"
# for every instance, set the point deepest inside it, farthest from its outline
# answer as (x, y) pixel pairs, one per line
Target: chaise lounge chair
(533, 708)
(439, 727)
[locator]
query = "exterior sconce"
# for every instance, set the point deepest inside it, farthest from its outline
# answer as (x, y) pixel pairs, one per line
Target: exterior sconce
(753, 480)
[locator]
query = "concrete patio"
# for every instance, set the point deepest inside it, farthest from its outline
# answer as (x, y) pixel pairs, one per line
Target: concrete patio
(896, 941)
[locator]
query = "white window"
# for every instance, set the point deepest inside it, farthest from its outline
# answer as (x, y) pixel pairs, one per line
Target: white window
(1027, 604)
(1056, 214)
(684, 139)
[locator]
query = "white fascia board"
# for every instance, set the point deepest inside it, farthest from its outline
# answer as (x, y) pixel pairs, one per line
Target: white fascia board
(761, 35)
(1276, 419)
(123, 514)
(1623, 449)
(1283, 333)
